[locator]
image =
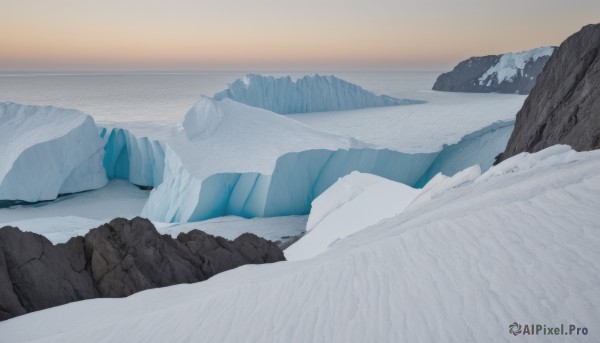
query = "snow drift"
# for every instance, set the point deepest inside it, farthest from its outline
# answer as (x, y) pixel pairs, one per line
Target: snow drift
(308, 94)
(47, 151)
(353, 203)
(519, 243)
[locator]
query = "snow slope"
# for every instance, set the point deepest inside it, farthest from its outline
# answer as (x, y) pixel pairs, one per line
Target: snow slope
(353, 203)
(520, 244)
(307, 94)
(47, 151)
(511, 63)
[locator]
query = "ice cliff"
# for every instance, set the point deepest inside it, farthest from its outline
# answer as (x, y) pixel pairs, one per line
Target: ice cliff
(308, 94)
(46, 151)
(206, 171)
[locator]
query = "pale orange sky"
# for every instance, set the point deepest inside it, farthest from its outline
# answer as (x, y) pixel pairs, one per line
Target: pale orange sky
(277, 34)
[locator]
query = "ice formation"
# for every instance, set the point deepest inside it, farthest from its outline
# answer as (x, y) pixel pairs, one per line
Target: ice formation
(308, 94)
(511, 63)
(519, 243)
(353, 203)
(205, 172)
(47, 151)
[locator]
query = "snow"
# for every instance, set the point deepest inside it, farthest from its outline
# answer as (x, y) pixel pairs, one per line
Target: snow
(47, 151)
(518, 245)
(445, 119)
(307, 94)
(117, 199)
(352, 204)
(231, 227)
(511, 63)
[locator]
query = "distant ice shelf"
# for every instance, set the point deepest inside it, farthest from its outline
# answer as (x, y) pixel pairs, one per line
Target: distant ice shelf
(308, 94)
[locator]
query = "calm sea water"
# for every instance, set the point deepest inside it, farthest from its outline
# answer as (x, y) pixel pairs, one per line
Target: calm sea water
(166, 97)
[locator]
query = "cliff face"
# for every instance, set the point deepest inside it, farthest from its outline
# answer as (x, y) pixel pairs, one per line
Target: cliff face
(513, 73)
(114, 260)
(564, 105)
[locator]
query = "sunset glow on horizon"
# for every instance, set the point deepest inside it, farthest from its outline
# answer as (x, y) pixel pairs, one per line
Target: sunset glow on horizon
(272, 34)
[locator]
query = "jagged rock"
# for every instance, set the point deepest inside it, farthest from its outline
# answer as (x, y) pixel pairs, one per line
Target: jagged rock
(128, 256)
(114, 260)
(222, 254)
(513, 73)
(564, 105)
(40, 274)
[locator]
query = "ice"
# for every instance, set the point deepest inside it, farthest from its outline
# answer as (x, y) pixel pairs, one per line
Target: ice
(47, 151)
(209, 175)
(352, 204)
(517, 246)
(511, 63)
(307, 94)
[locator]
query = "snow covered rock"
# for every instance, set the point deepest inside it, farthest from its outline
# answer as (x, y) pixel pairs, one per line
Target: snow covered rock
(308, 94)
(353, 203)
(564, 105)
(461, 268)
(507, 73)
(47, 151)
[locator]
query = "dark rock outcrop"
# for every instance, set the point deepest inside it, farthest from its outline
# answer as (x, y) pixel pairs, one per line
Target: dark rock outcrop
(114, 260)
(470, 75)
(564, 105)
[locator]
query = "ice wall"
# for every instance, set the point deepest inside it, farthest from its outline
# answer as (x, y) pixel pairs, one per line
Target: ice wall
(46, 151)
(479, 147)
(297, 179)
(139, 160)
(308, 94)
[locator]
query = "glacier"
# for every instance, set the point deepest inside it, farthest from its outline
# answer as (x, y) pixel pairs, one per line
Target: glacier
(47, 151)
(510, 64)
(516, 243)
(307, 94)
(201, 170)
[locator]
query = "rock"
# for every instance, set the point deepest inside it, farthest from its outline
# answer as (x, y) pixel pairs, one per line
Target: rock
(114, 260)
(513, 73)
(34, 274)
(222, 254)
(564, 105)
(128, 256)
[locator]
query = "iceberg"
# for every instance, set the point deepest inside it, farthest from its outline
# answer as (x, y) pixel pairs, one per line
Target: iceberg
(201, 170)
(229, 158)
(47, 151)
(308, 94)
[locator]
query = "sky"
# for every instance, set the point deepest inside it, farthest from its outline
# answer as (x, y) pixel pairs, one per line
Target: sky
(277, 34)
